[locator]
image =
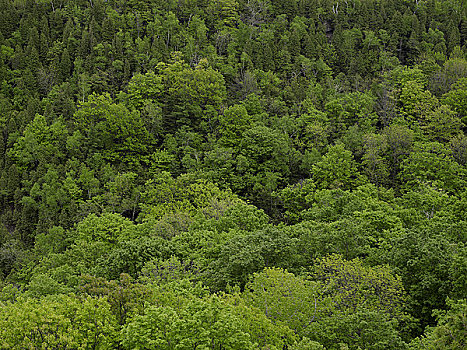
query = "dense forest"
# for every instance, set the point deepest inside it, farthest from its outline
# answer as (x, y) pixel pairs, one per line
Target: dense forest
(233, 174)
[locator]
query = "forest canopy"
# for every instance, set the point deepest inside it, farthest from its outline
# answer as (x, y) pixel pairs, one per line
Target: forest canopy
(233, 174)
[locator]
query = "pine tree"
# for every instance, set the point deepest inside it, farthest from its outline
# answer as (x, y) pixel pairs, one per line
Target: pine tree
(108, 30)
(65, 64)
(44, 47)
(453, 36)
(463, 31)
(84, 45)
(68, 30)
(33, 38)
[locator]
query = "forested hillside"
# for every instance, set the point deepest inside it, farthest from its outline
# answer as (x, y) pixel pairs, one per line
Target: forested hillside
(233, 174)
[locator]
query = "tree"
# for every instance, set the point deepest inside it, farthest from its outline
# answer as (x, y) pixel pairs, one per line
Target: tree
(415, 103)
(106, 228)
(233, 123)
(452, 70)
(286, 298)
(58, 321)
(375, 166)
(142, 88)
(165, 195)
(121, 194)
(352, 109)
(400, 142)
(459, 149)
(313, 310)
(337, 169)
(363, 329)
(432, 163)
(442, 124)
(367, 303)
(246, 253)
(197, 323)
(450, 330)
(112, 130)
(224, 13)
(190, 97)
(351, 284)
(456, 99)
(124, 296)
(41, 144)
(428, 261)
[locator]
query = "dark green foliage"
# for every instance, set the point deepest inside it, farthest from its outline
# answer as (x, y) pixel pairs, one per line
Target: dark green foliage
(449, 333)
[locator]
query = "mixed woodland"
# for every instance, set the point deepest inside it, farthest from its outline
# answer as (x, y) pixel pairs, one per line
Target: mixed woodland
(233, 174)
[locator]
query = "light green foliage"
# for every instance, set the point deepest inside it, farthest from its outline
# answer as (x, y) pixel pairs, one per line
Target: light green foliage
(233, 123)
(307, 344)
(316, 309)
(375, 166)
(456, 99)
(367, 303)
(416, 102)
(51, 197)
(237, 216)
(183, 312)
(224, 13)
(41, 144)
(350, 285)
(428, 200)
(263, 150)
(358, 236)
(8, 293)
(296, 198)
(337, 169)
(263, 163)
(409, 93)
(144, 88)
(144, 93)
(65, 268)
(286, 299)
(42, 284)
(105, 252)
(266, 333)
(363, 329)
(111, 129)
(204, 323)
(130, 256)
(330, 205)
(164, 195)
(314, 130)
(204, 146)
(432, 164)
(200, 246)
(219, 166)
(106, 228)
(442, 124)
(402, 75)
(346, 237)
(57, 322)
(204, 239)
(121, 195)
(432, 267)
(171, 270)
